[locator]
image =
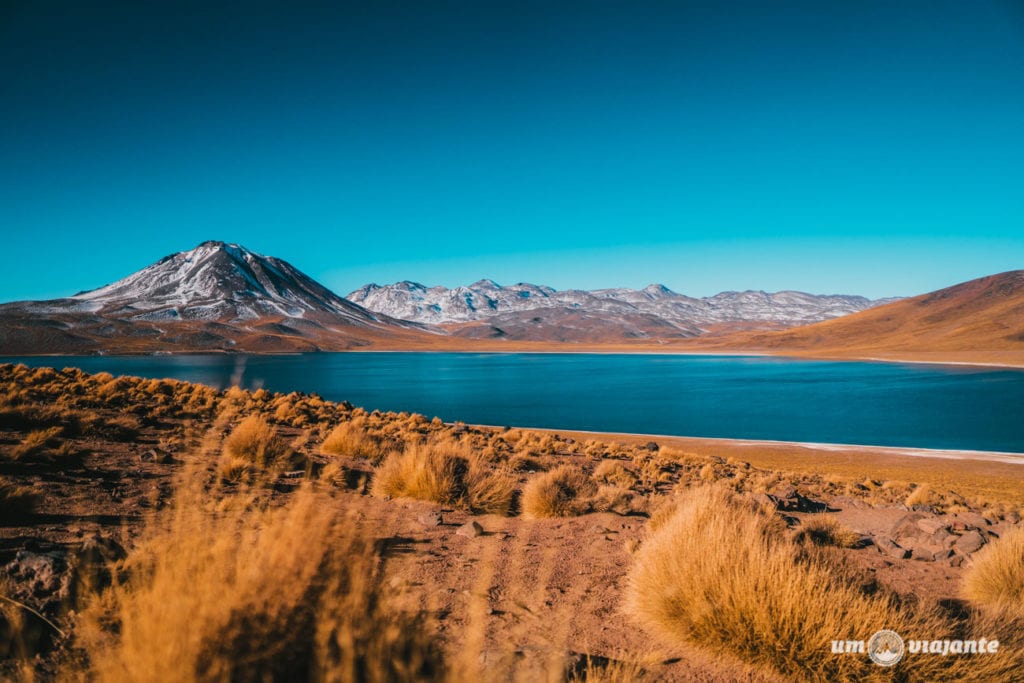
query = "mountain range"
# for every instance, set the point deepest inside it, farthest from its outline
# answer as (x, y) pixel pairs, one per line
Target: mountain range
(528, 311)
(223, 297)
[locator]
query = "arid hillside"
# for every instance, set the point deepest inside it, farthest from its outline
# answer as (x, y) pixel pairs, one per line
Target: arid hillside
(160, 530)
(983, 318)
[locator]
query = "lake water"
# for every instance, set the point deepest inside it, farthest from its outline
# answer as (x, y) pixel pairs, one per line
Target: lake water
(887, 404)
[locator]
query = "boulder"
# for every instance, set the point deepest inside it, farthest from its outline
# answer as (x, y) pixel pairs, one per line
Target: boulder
(969, 543)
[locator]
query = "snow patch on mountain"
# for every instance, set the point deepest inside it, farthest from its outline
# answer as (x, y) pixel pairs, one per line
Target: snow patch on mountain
(485, 299)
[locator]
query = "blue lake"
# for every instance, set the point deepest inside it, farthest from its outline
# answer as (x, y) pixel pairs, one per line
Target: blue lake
(886, 404)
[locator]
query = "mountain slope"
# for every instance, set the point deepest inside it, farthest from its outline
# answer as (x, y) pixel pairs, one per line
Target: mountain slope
(654, 311)
(980, 316)
(215, 297)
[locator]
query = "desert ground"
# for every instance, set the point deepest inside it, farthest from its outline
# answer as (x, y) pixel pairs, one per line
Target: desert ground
(160, 530)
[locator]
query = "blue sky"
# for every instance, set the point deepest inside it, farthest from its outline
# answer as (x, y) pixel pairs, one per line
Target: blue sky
(865, 147)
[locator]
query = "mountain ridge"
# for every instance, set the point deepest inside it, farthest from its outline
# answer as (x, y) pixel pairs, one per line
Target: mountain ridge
(485, 299)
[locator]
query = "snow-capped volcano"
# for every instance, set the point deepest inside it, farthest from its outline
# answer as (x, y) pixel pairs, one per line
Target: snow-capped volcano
(216, 297)
(218, 281)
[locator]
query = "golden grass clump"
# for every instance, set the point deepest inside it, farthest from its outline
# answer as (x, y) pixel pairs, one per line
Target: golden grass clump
(722, 573)
(256, 441)
(420, 472)
(563, 492)
(613, 472)
(822, 530)
(449, 473)
(35, 442)
(253, 593)
(995, 581)
(351, 440)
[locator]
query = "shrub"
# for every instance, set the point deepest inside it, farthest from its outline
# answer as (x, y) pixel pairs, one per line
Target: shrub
(256, 441)
(489, 490)
(995, 582)
(612, 472)
(562, 492)
(349, 439)
(446, 473)
(822, 530)
(419, 472)
(722, 573)
(35, 442)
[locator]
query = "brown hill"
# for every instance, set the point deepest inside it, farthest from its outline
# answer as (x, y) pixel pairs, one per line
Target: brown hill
(976, 321)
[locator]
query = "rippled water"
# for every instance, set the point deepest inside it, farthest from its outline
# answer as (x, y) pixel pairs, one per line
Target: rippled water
(889, 404)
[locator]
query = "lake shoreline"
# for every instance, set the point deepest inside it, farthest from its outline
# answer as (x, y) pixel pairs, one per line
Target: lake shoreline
(491, 349)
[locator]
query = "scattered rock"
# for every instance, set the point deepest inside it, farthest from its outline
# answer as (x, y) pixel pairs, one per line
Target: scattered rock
(788, 499)
(41, 577)
(429, 519)
(969, 543)
(470, 529)
(889, 547)
(964, 521)
(922, 554)
(156, 455)
(930, 525)
(906, 528)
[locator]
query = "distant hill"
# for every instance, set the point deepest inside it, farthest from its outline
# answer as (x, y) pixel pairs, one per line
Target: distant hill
(216, 297)
(983, 316)
(535, 312)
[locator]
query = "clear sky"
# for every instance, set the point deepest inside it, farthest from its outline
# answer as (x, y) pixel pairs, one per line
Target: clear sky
(858, 147)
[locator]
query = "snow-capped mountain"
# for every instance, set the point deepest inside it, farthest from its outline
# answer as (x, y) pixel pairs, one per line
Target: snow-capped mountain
(217, 296)
(486, 299)
(218, 281)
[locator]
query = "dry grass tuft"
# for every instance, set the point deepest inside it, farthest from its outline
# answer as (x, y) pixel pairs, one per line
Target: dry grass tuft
(256, 441)
(447, 473)
(351, 440)
(420, 472)
(35, 443)
(995, 582)
(563, 492)
(722, 573)
(253, 593)
(822, 530)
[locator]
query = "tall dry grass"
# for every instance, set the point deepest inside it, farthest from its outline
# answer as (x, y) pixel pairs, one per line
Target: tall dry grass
(995, 582)
(722, 572)
(256, 441)
(447, 472)
(563, 492)
(241, 591)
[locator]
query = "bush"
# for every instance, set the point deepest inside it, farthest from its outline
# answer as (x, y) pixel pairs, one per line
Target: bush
(256, 441)
(825, 531)
(446, 473)
(722, 573)
(421, 473)
(349, 439)
(995, 582)
(563, 492)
